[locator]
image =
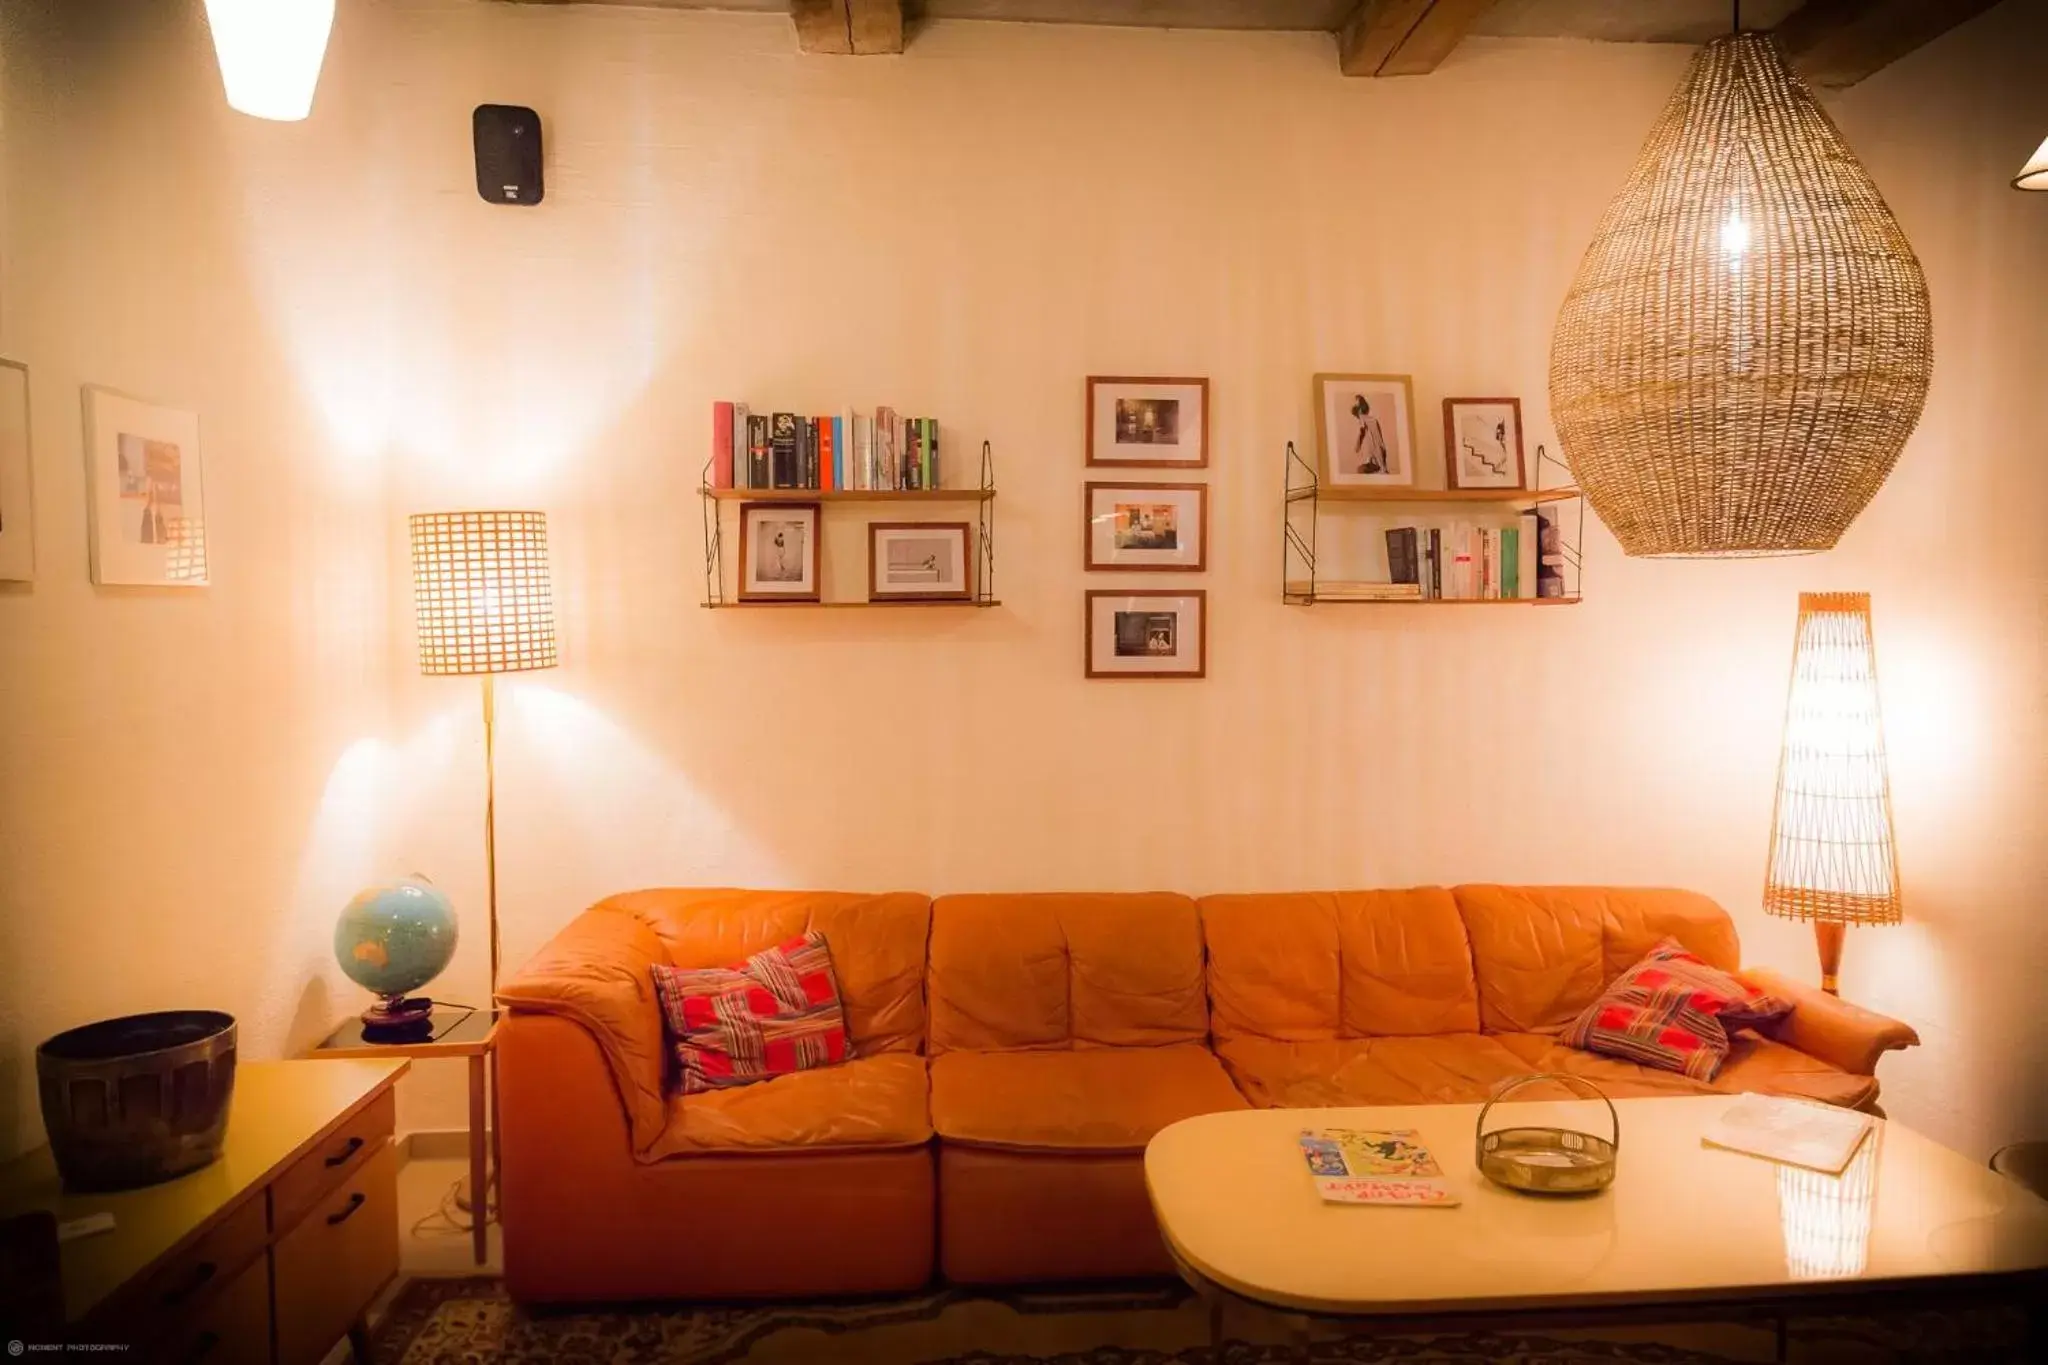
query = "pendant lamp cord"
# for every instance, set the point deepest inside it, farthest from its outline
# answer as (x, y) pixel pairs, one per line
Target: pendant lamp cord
(1736, 5)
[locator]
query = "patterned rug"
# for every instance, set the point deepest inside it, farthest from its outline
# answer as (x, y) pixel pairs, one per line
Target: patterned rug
(471, 1321)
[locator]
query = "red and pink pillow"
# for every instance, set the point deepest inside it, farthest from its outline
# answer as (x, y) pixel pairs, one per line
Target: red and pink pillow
(776, 1013)
(1673, 1011)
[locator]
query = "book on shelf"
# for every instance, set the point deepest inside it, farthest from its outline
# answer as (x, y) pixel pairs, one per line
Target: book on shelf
(1819, 1137)
(1368, 1166)
(721, 445)
(1549, 553)
(1510, 562)
(782, 450)
(741, 419)
(760, 450)
(828, 456)
(1525, 549)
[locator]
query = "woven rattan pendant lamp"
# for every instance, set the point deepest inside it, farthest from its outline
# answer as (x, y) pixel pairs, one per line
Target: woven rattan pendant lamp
(1747, 344)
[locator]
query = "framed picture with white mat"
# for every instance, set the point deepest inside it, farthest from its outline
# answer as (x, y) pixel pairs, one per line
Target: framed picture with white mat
(145, 493)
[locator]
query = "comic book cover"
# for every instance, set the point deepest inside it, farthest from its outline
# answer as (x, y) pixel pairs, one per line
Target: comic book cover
(1360, 1166)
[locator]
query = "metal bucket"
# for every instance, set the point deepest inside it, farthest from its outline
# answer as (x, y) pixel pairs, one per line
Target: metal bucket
(139, 1099)
(1540, 1160)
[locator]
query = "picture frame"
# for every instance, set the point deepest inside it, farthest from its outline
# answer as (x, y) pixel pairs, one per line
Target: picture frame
(920, 561)
(779, 552)
(145, 493)
(1365, 430)
(1147, 633)
(1146, 527)
(1483, 443)
(17, 477)
(1147, 423)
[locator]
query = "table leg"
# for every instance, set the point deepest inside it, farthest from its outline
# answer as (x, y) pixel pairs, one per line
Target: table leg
(1216, 1326)
(1297, 1340)
(479, 1178)
(497, 1143)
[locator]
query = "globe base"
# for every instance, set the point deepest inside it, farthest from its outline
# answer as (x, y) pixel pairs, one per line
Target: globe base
(398, 1017)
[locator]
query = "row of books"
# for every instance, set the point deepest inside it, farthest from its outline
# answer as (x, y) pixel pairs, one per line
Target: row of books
(1467, 562)
(882, 451)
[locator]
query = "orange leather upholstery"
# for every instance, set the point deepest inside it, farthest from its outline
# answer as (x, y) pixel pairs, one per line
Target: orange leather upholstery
(584, 1220)
(611, 1189)
(1065, 1030)
(1543, 953)
(1011, 1217)
(1084, 1100)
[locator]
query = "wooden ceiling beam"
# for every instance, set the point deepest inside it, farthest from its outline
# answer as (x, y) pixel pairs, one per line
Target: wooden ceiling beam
(844, 27)
(1836, 43)
(1404, 37)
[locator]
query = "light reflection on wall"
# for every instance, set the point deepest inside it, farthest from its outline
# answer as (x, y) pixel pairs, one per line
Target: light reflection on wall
(1826, 1218)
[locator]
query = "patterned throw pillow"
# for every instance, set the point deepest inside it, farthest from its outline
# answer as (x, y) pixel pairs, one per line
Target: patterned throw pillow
(773, 1014)
(1673, 1011)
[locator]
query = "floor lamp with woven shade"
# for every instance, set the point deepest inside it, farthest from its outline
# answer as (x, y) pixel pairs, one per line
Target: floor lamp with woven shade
(1747, 343)
(485, 606)
(1832, 857)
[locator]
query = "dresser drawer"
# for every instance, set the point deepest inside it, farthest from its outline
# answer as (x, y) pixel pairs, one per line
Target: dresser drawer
(334, 1262)
(335, 1159)
(232, 1328)
(149, 1307)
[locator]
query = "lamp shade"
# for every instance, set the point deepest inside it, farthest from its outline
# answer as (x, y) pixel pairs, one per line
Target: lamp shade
(481, 592)
(1832, 856)
(270, 53)
(1747, 343)
(2034, 175)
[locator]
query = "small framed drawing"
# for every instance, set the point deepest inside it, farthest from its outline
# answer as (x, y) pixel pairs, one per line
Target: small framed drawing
(1148, 423)
(1365, 430)
(17, 493)
(1148, 633)
(779, 552)
(146, 497)
(1483, 443)
(1148, 526)
(919, 561)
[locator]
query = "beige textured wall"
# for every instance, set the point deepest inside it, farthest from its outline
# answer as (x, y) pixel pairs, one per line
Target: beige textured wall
(967, 230)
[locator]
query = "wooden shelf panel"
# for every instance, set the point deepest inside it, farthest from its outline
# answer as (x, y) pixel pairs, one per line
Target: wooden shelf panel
(1302, 599)
(786, 606)
(1523, 496)
(848, 495)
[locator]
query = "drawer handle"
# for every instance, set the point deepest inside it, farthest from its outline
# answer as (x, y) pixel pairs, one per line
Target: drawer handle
(355, 1201)
(202, 1347)
(201, 1273)
(355, 1144)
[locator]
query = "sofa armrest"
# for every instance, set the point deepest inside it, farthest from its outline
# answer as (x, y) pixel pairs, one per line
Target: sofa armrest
(1828, 1027)
(596, 972)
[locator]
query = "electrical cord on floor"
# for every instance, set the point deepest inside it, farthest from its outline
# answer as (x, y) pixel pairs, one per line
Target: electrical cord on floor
(448, 1218)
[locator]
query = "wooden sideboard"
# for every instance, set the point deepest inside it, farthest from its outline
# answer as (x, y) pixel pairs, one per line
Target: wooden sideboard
(270, 1255)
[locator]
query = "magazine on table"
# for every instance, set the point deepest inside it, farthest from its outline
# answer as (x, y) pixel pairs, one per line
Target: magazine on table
(1820, 1137)
(1365, 1166)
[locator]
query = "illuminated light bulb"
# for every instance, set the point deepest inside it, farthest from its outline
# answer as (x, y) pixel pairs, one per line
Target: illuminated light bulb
(1735, 237)
(270, 53)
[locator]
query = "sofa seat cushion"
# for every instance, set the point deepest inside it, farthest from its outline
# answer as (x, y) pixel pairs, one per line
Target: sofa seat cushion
(1771, 1068)
(1110, 1099)
(1620, 1079)
(1451, 1068)
(871, 1102)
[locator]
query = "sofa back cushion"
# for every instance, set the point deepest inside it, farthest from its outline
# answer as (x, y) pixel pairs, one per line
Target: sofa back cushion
(1062, 971)
(1542, 954)
(1338, 964)
(877, 944)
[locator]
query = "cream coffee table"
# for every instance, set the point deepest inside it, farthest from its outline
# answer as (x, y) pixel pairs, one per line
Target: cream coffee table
(1683, 1224)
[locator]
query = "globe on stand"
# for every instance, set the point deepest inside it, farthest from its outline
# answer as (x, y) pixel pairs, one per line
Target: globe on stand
(393, 940)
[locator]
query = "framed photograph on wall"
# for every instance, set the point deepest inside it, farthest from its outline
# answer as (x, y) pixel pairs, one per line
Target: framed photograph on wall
(17, 478)
(920, 561)
(1148, 527)
(145, 491)
(1148, 633)
(1365, 430)
(779, 552)
(1483, 443)
(1148, 423)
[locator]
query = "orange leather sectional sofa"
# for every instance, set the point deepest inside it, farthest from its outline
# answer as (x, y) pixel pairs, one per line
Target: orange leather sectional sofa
(1016, 1052)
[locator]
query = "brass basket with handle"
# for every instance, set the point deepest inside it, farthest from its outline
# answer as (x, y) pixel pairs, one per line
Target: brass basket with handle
(1546, 1160)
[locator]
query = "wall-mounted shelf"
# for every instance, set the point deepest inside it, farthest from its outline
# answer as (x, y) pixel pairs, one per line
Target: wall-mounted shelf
(974, 602)
(848, 495)
(1304, 494)
(983, 551)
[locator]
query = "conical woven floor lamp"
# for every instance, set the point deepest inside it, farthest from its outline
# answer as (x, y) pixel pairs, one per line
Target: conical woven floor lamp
(1832, 856)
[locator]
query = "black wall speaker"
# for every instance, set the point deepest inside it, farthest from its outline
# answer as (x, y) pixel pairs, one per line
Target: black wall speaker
(507, 154)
